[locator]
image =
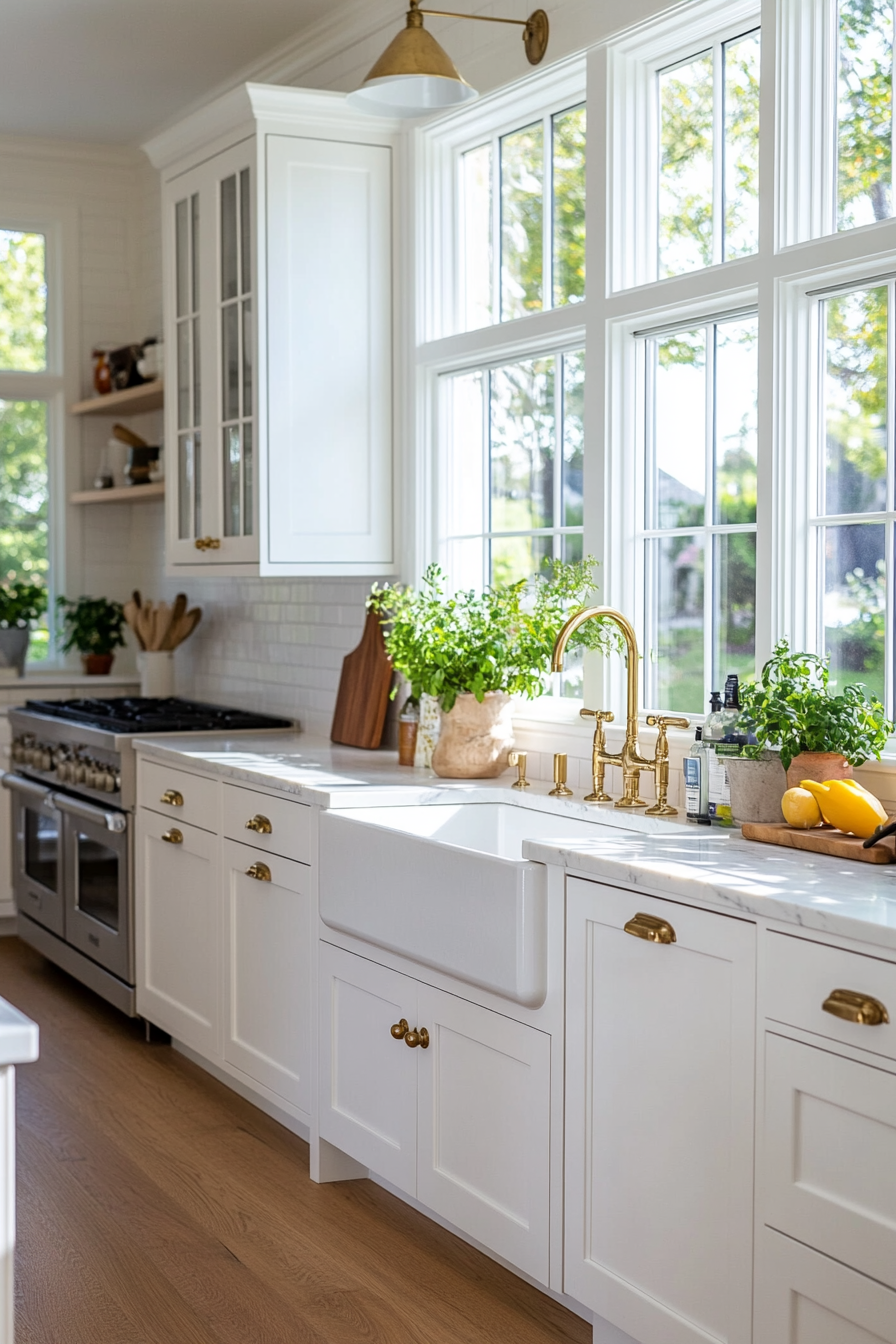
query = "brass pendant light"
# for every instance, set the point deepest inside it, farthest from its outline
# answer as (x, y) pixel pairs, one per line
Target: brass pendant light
(415, 76)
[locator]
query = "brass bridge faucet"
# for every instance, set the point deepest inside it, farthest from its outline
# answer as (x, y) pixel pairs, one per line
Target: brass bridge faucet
(630, 758)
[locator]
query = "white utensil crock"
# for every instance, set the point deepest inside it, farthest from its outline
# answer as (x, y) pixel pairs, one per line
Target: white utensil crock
(156, 668)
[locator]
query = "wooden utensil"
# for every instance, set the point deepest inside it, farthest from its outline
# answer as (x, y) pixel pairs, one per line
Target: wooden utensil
(177, 611)
(185, 626)
(125, 435)
(363, 697)
(820, 841)
(132, 616)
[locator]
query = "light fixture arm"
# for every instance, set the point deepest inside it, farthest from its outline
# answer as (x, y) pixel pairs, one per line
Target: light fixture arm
(535, 36)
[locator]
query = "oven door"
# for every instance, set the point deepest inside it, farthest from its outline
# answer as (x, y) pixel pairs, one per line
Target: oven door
(37, 858)
(96, 849)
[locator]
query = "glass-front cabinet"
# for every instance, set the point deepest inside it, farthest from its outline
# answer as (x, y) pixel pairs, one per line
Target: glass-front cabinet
(210, 216)
(278, 209)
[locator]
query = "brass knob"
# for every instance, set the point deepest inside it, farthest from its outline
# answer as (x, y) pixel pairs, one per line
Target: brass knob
(649, 927)
(852, 1006)
(518, 758)
(199, 543)
(419, 1037)
(400, 1029)
(207, 543)
(260, 825)
(560, 789)
(172, 798)
(173, 837)
(260, 871)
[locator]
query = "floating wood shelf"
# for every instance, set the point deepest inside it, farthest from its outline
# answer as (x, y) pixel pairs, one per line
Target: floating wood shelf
(132, 401)
(121, 494)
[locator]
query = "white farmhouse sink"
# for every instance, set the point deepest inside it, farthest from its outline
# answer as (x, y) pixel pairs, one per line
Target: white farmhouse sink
(447, 886)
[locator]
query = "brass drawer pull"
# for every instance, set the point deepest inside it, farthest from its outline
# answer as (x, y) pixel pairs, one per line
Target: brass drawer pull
(207, 543)
(260, 825)
(172, 798)
(173, 837)
(649, 927)
(400, 1029)
(854, 1007)
(260, 871)
(419, 1037)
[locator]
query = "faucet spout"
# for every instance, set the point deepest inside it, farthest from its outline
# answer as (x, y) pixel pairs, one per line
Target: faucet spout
(574, 623)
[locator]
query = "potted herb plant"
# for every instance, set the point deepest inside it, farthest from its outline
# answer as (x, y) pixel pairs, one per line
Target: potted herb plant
(818, 735)
(473, 651)
(21, 604)
(94, 626)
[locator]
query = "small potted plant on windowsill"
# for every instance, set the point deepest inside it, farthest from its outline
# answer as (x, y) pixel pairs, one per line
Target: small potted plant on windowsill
(94, 626)
(22, 602)
(474, 651)
(818, 735)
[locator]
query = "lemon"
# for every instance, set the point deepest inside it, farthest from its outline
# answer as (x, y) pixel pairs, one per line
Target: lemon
(800, 809)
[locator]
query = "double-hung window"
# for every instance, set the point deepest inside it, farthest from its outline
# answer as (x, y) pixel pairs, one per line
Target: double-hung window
(28, 386)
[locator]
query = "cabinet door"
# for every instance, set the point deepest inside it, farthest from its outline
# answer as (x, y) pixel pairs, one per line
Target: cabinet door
(659, 1118)
(329, 357)
(368, 1079)
(177, 930)
(267, 956)
(484, 1133)
(829, 1155)
(211, 354)
(805, 1298)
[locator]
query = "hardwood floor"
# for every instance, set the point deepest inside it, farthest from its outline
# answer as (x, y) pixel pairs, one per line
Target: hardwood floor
(157, 1207)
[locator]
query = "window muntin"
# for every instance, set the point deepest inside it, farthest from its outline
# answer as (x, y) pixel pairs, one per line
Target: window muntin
(708, 169)
(698, 532)
(853, 529)
(23, 301)
(864, 111)
(522, 221)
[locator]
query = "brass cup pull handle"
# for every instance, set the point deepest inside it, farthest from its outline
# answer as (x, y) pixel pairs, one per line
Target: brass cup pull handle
(260, 871)
(419, 1037)
(260, 825)
(173, 837)
(400, 1029)
(207, 543)
(852, 1006)
(172, 798)
(652, 929)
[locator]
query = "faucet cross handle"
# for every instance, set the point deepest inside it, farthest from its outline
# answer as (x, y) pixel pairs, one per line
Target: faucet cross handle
(662, 722)
(600, 715)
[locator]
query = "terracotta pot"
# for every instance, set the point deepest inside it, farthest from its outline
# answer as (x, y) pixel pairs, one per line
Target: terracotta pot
(475, 738)
(97, 664)
(817, 765)
(757, 788)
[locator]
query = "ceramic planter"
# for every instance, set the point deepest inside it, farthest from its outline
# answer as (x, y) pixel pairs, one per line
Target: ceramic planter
(14, 647)
(817, 765)
(97, 664)
(757, 788)
(475, 738)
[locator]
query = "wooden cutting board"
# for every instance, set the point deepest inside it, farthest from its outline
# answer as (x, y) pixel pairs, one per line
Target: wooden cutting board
(363, 696)
(821, 841)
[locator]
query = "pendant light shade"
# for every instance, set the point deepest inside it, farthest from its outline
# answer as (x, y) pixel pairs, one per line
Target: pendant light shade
(413, 76)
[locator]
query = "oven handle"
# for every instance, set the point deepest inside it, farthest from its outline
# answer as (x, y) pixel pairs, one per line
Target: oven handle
(113, 821)
(38, 793)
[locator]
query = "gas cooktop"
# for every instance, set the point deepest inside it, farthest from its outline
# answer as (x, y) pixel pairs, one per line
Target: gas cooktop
(140, 714)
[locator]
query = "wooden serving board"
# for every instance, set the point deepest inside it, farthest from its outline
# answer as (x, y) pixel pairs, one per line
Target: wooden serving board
(820, 841)
(363, 697)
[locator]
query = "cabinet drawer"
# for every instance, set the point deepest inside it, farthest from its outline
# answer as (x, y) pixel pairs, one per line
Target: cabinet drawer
(289, 821)
(799, 975)
(829, 1155)
(805, 1298)
(190, 798)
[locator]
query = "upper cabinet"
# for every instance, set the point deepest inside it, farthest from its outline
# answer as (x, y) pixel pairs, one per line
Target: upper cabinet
(278, 239)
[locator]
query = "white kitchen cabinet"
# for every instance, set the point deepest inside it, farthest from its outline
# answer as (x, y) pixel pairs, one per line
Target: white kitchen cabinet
(278, 295)
(806, 1298)
(660, 1042)
(177, 930)
(267, 970)
(462, 1123)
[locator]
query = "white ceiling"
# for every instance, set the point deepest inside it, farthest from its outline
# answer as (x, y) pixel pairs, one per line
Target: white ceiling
(115, 70)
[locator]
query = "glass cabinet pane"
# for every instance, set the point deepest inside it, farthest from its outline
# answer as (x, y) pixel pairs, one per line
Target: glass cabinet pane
(236, 345)
(245, 234)
(189, 378)
(228, 239)
(181, 258)
(230, 363)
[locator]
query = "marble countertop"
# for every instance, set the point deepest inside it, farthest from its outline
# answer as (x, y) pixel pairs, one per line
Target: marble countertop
(666, 857)
(18, 1036)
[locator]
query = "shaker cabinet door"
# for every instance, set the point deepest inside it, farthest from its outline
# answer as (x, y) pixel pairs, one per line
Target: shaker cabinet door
(659, 1117)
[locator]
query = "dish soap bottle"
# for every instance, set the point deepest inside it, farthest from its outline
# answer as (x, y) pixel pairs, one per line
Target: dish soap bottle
(719, 792)
(696, 783)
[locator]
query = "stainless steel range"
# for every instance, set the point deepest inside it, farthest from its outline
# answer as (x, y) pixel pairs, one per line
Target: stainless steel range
(74, 787)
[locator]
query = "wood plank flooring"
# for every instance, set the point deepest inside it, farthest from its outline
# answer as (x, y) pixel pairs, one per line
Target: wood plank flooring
(157, 1207)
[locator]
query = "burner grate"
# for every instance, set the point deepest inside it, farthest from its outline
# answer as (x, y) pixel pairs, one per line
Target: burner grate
(141, 714)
